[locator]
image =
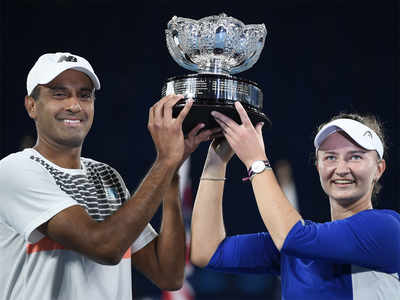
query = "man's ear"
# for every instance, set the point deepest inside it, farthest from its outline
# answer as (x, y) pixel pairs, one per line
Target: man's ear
(30, 106)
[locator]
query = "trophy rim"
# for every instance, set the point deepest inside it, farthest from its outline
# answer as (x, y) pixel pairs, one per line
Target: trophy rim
(225, 76)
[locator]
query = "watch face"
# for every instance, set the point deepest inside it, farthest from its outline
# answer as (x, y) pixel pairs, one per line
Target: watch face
(258, 166)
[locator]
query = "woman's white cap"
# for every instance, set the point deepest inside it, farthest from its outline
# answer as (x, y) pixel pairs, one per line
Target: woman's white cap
(50, 65)
(361, 134)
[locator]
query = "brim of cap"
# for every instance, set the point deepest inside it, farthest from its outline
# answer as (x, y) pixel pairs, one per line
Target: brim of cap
(92, 76)
(355, 130)
(59, 70)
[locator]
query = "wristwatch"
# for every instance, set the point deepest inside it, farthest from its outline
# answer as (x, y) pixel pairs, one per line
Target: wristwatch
(257, 167)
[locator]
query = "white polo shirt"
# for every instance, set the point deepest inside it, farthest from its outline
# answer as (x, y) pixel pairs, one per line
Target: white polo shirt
(32, 266)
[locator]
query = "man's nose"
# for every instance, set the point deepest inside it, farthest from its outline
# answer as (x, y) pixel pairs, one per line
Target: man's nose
(73, 104)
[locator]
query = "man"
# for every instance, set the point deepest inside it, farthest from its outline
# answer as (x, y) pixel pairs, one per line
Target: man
(68, 227)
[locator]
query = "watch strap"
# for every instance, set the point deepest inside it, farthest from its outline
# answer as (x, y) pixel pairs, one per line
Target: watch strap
(251, 173)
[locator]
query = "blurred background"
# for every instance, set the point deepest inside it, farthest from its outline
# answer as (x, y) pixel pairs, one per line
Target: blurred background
(320, 58)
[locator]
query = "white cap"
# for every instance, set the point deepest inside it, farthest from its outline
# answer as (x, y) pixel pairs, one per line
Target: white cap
(361, 134)
(50, 65)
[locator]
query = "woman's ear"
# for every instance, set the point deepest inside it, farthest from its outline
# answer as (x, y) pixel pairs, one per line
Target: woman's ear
(380, 169)
(316, 162)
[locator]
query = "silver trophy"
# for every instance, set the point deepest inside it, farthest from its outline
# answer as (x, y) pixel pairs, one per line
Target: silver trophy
(215, 47)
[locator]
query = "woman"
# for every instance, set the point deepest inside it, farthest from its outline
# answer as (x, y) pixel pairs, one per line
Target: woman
(355, 256)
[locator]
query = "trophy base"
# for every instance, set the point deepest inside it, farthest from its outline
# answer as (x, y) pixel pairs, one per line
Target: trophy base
(201, 113)
(216, 92)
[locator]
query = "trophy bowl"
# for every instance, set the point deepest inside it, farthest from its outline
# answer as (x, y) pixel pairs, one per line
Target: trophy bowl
(215, 47)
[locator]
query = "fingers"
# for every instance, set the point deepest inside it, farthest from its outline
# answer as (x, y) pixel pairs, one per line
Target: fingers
(151, 116)
(204, 135)
(259, 127)
(158, 108)
(212, 131)
(195, 130)
(242, 114)
(223, 121)
(217, 135)
(164, 106)
(183, 113)
(169, 103)
(221, 117)
(223, 125)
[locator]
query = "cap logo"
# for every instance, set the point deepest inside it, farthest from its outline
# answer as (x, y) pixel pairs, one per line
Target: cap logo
(368, 134)
(69, 58)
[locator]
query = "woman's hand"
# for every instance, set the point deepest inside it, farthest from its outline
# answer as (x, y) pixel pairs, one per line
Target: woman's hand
(219, 152)
(245, 139)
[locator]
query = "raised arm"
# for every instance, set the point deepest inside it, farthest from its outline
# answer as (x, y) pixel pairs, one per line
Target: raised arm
(278, 214)
(163, 260)
(207, 230)
(106, 242)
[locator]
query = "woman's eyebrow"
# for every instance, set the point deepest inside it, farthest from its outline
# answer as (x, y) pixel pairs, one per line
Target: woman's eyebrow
(358, 151)
(329, 152)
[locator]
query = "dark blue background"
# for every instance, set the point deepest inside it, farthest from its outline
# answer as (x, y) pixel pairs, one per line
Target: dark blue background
(320, 58)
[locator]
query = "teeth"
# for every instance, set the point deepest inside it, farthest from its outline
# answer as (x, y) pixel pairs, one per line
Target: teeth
(72, 121)
(343, 181)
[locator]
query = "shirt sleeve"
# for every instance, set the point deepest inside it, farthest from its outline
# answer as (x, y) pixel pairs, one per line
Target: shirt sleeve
(247, 253)
(147, 235)
(29, 197)
(369, 239)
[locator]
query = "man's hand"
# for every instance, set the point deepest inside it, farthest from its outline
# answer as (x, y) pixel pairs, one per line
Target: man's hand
(194, 138)
(166, 131)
